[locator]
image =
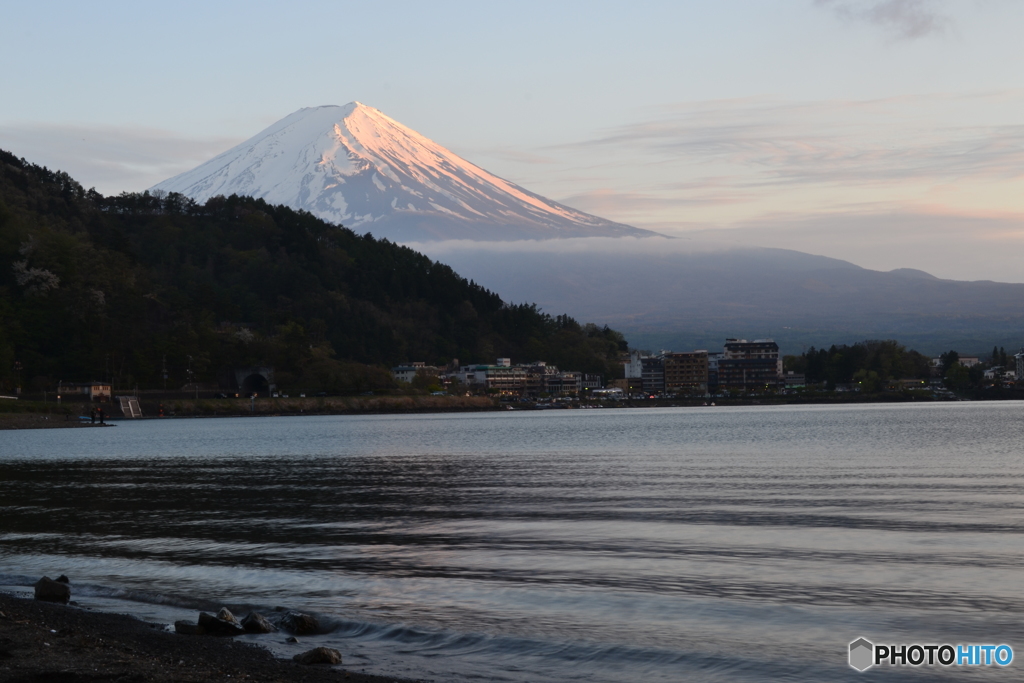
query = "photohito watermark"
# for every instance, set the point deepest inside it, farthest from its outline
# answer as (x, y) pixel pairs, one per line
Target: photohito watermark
(864, 654)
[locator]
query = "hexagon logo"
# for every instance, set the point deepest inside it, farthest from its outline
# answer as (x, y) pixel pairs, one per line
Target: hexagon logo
(862, 654)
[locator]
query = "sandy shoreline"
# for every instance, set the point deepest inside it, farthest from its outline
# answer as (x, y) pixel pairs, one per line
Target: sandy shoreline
(43, 642)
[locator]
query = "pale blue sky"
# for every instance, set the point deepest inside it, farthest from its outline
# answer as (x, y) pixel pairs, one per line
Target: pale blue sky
(760, 117)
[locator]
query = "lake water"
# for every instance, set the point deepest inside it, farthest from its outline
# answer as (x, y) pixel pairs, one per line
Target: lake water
(711, 544)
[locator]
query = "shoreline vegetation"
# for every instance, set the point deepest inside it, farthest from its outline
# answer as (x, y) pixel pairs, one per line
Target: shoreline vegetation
(44, 641)
(40, 415)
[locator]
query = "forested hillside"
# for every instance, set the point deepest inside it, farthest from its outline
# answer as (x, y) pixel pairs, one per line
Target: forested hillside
(870, 363)
(119, 288)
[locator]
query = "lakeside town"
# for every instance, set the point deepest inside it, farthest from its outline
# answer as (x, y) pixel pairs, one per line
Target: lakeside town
(743, 371)
(741, 368)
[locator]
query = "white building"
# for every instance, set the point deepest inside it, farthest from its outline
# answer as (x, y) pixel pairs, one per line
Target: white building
(634, 368)
(407, 373)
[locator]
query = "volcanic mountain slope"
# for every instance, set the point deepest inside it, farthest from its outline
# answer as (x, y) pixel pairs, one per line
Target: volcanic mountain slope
(355, 166)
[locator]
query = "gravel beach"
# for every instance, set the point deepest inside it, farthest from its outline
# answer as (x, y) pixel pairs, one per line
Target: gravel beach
(43, 642)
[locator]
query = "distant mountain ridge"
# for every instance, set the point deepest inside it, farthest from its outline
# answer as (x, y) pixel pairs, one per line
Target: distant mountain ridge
(355, 166)
(666, 294)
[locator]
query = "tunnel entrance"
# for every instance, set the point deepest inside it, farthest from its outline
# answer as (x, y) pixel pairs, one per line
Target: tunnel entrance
(255, 384)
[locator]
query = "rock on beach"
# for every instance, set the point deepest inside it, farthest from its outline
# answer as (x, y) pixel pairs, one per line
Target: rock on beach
(89, 646)
(53, 591)
(226, 615)
(319, 655)
(188, 628)
(299, 623)
(255, 622)
(224, 624)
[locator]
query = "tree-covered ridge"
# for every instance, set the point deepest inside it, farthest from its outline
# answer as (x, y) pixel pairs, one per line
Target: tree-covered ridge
(119, 287)
(870, 363)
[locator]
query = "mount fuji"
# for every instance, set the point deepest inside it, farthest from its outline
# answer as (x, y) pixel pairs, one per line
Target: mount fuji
(357, 167)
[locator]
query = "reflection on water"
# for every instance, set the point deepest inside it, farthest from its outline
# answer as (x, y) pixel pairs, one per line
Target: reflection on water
(714, 543)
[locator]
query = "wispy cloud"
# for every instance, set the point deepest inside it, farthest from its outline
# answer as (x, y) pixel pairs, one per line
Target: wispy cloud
(111, 159)
(905, 19)
(770, 142)
(517, 156)
(606, 200)
(962, 246)
(768, 162)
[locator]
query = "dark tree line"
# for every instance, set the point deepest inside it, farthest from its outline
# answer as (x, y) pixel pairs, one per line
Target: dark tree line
(999, 357)
(871, 362)
(122, 288)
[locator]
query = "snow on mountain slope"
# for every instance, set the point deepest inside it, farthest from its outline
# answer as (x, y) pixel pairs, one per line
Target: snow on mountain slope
(355, 166)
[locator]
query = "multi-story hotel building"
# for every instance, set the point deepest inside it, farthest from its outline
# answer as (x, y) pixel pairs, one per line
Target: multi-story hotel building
(686, 372)
(749, 366)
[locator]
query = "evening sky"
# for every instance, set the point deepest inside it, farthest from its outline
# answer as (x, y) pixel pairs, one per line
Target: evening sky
(886, 132)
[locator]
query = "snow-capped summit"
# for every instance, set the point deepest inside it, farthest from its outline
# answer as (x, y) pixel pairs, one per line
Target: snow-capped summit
(355, 166)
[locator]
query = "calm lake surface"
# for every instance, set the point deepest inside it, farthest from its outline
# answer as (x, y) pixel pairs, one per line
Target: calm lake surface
(711, 544)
